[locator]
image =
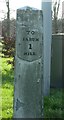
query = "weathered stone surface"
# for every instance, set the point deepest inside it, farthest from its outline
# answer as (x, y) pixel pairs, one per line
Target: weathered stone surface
(28, 89)
(28, 66)
(29, 34)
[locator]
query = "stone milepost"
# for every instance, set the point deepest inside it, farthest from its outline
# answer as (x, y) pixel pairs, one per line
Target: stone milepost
(28, 64)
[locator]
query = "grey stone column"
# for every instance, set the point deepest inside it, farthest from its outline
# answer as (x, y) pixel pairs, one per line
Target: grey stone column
(28, 64)
(47, 33)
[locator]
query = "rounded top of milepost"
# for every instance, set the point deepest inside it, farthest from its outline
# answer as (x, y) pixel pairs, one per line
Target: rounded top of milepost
(27, 8)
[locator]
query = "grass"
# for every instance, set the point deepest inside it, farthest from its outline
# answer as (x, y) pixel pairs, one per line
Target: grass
(7, 88)
(7, 101)
(53, 104)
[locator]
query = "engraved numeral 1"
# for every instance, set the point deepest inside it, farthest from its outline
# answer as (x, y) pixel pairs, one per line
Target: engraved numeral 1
(30, 46)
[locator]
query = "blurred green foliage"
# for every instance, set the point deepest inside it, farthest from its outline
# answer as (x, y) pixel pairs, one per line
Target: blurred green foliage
(7, 88)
